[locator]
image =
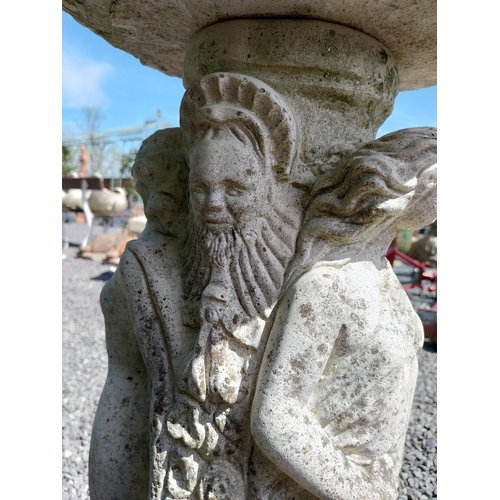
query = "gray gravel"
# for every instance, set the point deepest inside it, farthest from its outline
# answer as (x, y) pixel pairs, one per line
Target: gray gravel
(85, 364)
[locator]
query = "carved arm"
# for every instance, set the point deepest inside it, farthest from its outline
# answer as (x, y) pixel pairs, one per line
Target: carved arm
(119, 451)
(285, 424)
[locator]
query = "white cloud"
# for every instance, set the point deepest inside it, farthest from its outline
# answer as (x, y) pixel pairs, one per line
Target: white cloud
(82, 81)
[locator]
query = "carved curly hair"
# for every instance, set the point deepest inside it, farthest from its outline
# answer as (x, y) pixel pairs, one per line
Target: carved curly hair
(389, 183)
(380, 181)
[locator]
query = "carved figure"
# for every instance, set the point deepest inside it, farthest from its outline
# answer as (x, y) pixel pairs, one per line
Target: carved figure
(199, 350)
(190, 309)
(337, 380)
(84, 162)
(120, 453)
(240, 139)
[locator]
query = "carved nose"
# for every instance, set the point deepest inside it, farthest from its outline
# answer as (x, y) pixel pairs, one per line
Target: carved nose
(214, 202)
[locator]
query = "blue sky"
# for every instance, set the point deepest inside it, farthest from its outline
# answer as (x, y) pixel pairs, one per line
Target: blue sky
(94, 73)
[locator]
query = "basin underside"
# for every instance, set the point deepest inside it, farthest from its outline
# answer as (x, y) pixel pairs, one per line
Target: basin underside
(159, 32)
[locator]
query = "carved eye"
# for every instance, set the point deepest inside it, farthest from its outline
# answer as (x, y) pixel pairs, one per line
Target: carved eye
(198, 187)
(235, 191)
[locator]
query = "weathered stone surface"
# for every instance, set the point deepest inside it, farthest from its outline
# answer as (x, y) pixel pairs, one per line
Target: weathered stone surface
(336, 383)
(333, 78)
(192, 322)
(159, 32)
(260, 345)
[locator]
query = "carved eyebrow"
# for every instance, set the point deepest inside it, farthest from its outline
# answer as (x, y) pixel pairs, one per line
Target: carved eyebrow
(197, 180)
(231, 183)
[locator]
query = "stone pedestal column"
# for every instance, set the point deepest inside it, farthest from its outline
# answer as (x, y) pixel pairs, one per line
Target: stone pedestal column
(260, 345)
(339, 83)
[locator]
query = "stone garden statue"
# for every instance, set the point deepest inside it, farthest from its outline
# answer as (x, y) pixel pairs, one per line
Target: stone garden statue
(260, 346)
(84, 161)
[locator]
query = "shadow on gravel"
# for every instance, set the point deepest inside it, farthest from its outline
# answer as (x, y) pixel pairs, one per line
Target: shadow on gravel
(429, 346)
(104, 276)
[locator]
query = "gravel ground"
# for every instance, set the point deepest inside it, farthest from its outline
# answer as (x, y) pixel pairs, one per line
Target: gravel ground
(84, 372)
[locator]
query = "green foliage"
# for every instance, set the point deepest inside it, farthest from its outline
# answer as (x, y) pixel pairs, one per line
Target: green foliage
(67, 155)
(127, 162)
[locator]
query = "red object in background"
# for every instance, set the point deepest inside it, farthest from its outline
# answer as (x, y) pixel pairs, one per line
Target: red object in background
(423, 284)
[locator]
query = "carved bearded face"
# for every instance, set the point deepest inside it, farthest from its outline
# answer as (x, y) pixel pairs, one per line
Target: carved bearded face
(236, 227)
(228, 185)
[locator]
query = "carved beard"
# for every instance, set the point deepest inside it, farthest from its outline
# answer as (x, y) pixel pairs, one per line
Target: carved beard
(254, 257)
(218, 245)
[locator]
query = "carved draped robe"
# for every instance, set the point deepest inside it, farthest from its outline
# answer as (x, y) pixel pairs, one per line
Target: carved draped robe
(202, 372)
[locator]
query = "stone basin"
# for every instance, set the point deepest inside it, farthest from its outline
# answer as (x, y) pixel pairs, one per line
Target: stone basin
(159, 32)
